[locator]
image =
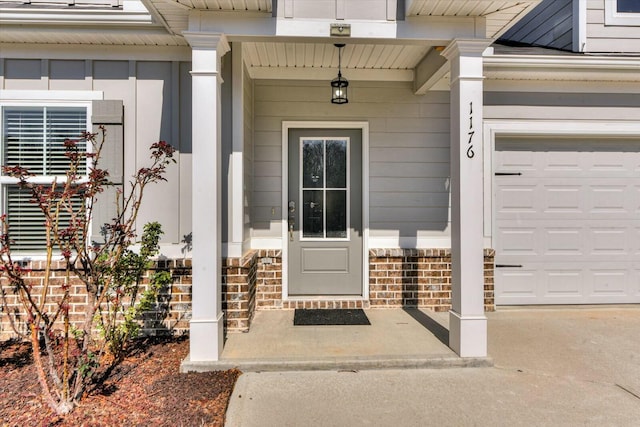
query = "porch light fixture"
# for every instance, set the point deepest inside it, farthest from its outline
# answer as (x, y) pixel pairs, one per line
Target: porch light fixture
(339, 84)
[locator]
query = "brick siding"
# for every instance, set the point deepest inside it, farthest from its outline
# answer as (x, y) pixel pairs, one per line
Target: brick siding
(397, 278)
(419, 278)
(170, 315)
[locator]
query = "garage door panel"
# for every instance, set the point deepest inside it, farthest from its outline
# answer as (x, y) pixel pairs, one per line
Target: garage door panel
(563, 198)
(563, 282)
(563, 241)
(608, 282)
(523, 284)
(567, 221)
(610, 199)
(518, 241)
(549, 242)
(516, 198)
(609, 241)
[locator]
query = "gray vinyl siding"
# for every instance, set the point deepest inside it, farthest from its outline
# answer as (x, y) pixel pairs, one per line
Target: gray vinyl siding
(408, 149)
(226, 117)
(157, 105)
(609, 38)
(549, 24)
(573, 107)
(248, 153)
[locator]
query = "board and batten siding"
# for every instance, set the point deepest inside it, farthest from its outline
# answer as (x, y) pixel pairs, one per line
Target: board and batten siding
(609, 38)
(157, 106)
(408, 154)
(550, 24)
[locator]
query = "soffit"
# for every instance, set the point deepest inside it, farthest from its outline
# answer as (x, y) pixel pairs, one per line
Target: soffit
(62, 36)
(500, 15)
(324, 55)
(225, 5)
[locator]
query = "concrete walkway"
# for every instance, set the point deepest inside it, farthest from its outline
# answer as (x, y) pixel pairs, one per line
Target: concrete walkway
(560, 367)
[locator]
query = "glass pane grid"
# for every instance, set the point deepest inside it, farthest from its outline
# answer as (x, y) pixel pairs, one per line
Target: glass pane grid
(325, 209)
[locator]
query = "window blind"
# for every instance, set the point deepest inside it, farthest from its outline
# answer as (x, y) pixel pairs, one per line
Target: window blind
(33, 137)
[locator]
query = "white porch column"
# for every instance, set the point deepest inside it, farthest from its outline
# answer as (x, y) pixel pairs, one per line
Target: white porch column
(207, 322)
(467, 322)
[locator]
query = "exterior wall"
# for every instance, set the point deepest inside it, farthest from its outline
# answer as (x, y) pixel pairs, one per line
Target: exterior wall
(380, 10)
(568, 106)
(170, 316)
(397, 277)
(239, 291)
(248, 152)
(604, 37)
(157, 106)
(408, 149)
(419, 278)
(549, 24)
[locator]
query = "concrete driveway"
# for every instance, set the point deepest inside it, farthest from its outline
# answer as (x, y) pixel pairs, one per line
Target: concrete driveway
(559, 366)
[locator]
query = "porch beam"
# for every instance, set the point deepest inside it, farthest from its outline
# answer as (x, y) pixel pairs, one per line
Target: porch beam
(429, 71)
(467, 321)
(206, 326)
(435, 30)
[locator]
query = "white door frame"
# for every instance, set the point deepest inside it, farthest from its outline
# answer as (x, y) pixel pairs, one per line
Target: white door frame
(364, 127)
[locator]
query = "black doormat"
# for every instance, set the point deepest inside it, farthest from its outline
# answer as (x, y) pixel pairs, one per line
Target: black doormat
(307, 317)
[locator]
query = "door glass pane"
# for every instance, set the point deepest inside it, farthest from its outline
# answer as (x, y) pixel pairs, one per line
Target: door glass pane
(313, 164)
(336, 213)
(312, 212)
(336, 164)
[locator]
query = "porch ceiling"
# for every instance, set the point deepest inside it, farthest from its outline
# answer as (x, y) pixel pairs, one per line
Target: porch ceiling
(320, 60)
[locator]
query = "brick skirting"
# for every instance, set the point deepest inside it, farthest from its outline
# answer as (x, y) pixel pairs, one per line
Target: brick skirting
(419, 278)
(170, 315)
(397, 278)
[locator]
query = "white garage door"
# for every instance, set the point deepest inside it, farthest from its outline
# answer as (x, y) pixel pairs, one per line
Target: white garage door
(567, 221)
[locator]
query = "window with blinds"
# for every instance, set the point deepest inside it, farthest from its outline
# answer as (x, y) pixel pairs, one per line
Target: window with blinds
(33, 137)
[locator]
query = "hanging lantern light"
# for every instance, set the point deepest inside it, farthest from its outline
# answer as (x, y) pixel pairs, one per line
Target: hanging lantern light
(339, 85)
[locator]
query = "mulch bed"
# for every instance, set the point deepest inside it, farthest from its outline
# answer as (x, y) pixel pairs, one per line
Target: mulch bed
(145, 390)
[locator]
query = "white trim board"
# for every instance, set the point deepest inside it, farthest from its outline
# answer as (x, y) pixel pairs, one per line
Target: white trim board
(364, 127)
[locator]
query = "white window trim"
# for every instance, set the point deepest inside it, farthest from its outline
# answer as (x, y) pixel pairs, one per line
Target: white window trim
(38, 98)
(613, 17)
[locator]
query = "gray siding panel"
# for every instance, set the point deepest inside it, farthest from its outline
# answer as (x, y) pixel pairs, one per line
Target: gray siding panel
(557, 99)
(609, 38)
(249, 153)
(549, 24)
(154, 117)
(184, 154)
(157, 105)
(409, 152)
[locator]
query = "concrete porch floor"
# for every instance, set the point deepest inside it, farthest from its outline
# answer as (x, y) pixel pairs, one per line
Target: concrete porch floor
(396, 338)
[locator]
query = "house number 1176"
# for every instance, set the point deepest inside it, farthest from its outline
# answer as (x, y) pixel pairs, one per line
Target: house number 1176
(471, 132)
